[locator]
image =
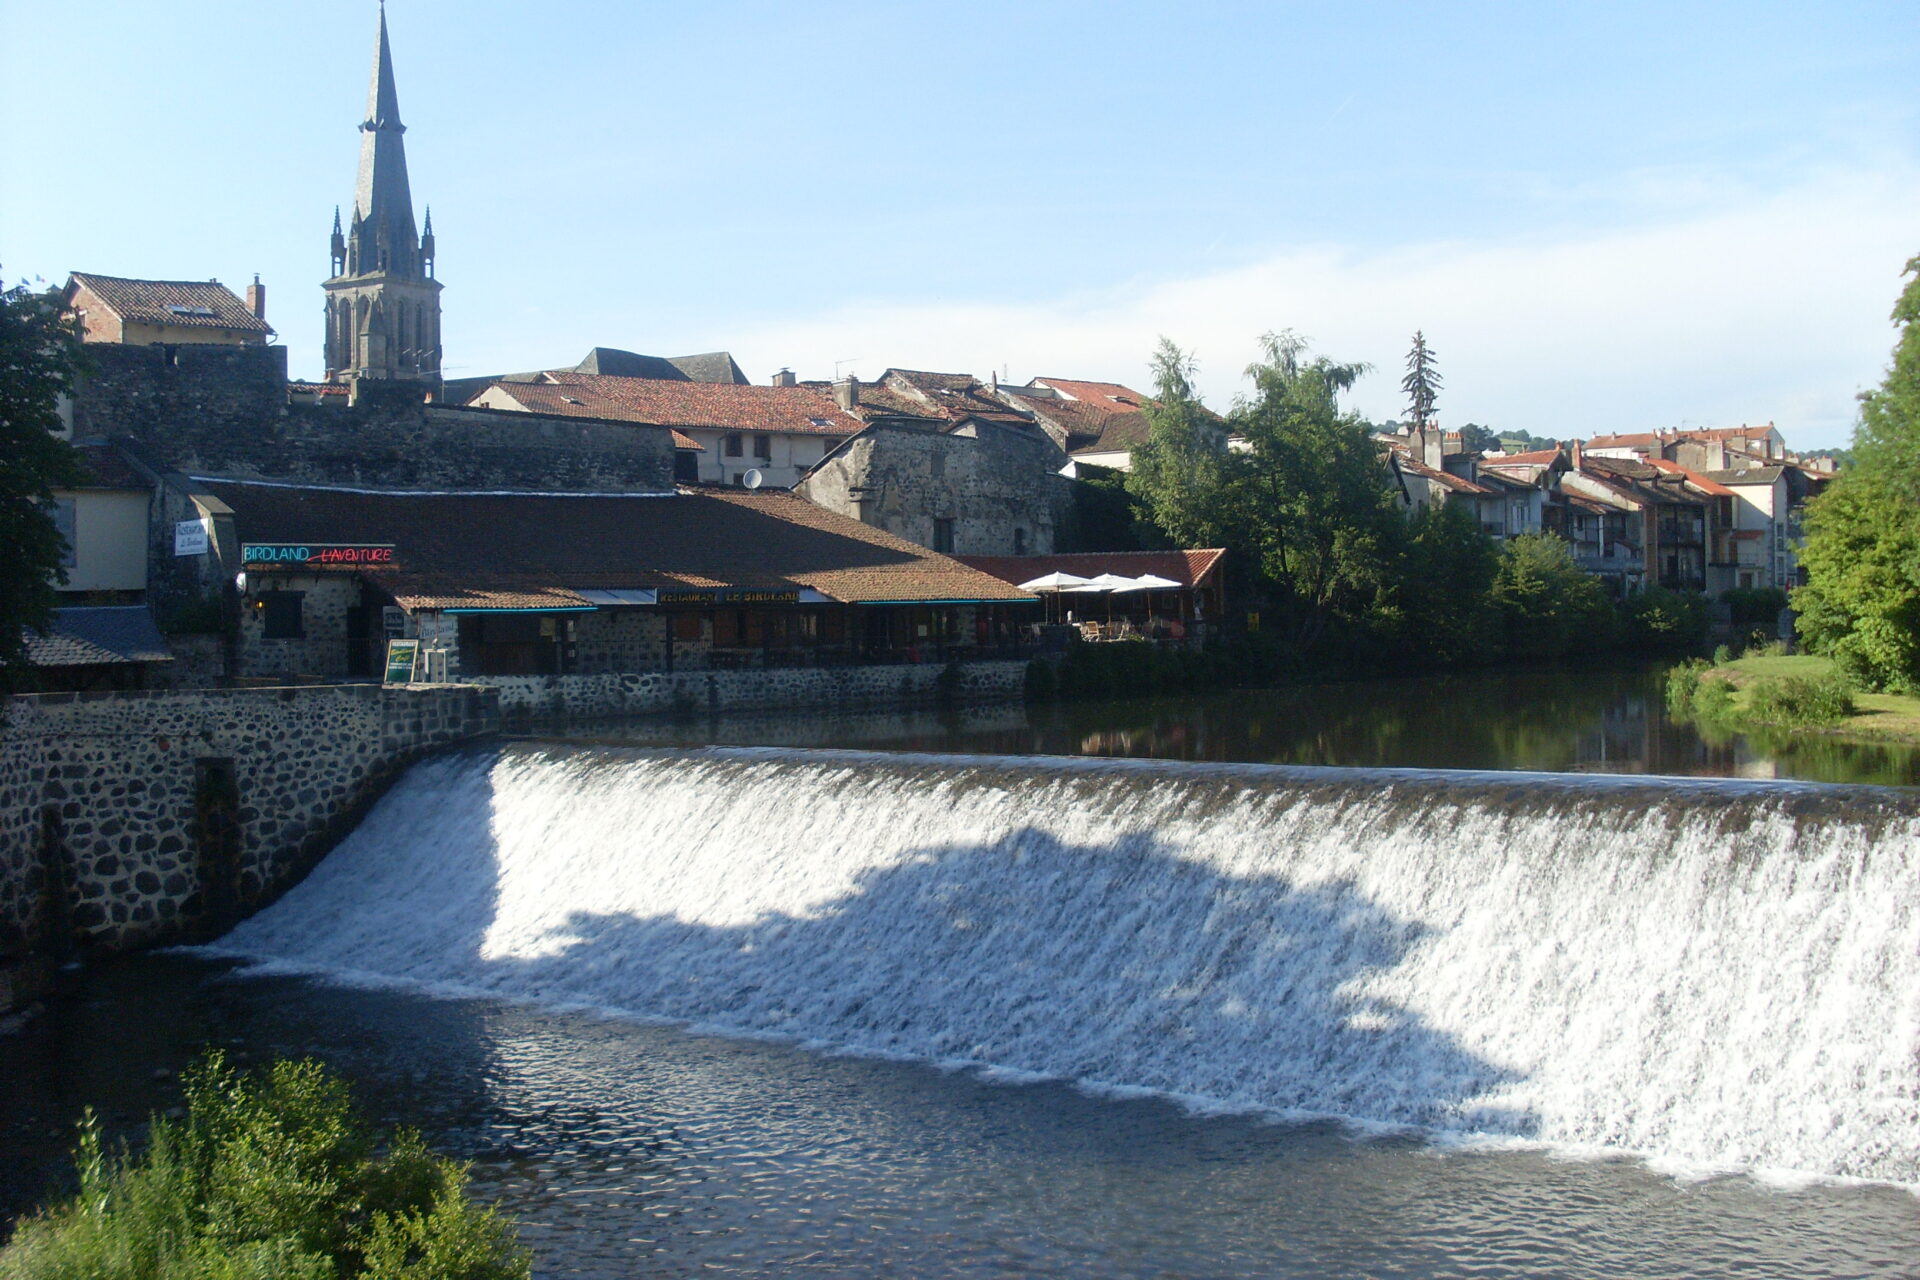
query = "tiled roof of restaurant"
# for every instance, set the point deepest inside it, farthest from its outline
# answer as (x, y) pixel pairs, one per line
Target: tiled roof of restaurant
(1188, 568)
(714, 405)
(204, 304)
(467, 551)
(98, 636)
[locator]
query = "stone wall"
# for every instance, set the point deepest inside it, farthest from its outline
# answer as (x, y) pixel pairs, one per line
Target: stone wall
(533, 697)
(213, 410)
(998, 485)
(169, 813)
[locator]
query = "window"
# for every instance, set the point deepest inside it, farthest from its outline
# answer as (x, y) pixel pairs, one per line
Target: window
(282, 615)
(733, 449)
(1019, 542)
(687, 626)
(943, 535)
(763, 448)
(937, 466)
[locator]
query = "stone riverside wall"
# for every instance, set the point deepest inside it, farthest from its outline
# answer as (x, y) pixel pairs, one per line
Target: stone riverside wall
(526, 697)
(136, 819)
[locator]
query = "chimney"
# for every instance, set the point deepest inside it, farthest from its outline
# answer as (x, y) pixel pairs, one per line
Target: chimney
(257, 298)
(846, 392)
(1576, 455)
(1433, 447)
(785, 378)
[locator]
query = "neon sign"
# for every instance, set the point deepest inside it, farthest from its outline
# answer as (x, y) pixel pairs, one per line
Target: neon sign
(316, 555)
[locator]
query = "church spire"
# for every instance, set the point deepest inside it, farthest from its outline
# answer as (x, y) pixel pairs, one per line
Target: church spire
(383, 305)
(381, 197)
(383, 100)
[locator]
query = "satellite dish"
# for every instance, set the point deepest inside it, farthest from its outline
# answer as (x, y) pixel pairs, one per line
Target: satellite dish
(753, 479)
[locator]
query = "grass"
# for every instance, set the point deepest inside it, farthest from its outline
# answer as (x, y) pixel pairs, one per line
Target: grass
(268, 1177)
(1884, 717)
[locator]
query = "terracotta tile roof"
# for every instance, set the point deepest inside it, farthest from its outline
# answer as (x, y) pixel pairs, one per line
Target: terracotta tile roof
(1188, 568)
(1109, 396)
(1748, 475)
(713, 405)
(948, 395)
(533, 551)
(1695, 478)
(1458, 484)
(171, 302)
(1536, 457)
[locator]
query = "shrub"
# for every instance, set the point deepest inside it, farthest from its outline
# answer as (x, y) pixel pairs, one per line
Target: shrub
(1798, 702)
(1757, 608)
(1722, 655)
(267, 1178)
(1660, 621)
(1683, 682)
(1713, 701)
(1547, 605)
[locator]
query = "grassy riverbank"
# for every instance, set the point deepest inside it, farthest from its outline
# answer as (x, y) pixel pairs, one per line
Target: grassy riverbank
(1754, 689)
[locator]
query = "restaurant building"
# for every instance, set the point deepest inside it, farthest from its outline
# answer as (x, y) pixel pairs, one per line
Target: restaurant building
(521, 584)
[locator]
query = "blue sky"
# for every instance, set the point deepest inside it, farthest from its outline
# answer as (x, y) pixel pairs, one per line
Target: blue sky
(1620, 216)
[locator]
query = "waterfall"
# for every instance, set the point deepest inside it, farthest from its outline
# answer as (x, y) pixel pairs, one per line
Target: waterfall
(1723, 974)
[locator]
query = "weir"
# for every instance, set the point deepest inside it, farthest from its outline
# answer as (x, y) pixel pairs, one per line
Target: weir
(1723, 974)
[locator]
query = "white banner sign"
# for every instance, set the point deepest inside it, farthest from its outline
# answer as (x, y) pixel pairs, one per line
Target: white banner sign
(190, 538)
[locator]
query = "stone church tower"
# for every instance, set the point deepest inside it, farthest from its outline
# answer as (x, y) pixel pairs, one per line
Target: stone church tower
(383, 304)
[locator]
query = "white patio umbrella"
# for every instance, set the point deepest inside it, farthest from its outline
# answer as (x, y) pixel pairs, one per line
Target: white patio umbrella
(1052, 584)
(1148, 582)
(1106, 584)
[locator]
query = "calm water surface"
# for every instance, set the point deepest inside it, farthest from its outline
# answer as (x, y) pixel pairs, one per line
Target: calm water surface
(1593, 722)
(630, 1150)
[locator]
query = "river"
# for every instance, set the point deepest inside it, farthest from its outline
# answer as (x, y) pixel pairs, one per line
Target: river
(937, 1011)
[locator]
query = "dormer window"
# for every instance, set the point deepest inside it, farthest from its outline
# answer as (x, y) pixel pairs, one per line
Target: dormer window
(196, 313)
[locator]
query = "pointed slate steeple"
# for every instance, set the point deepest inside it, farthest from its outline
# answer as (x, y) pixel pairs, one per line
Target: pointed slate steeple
(383, 305)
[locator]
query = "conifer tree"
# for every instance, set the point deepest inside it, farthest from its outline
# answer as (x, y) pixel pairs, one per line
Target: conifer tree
(1422, 383)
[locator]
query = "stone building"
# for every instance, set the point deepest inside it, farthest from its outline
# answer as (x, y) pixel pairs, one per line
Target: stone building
(979, 486)
(383, 302)
(167, 312)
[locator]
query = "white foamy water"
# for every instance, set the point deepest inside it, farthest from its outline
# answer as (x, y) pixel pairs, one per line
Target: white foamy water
(1714, 974)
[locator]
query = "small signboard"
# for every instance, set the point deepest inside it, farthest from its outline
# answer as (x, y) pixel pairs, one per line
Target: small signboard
(403, 659)
(726, 595)
(316, 555)
(190, 538)
(393, 620)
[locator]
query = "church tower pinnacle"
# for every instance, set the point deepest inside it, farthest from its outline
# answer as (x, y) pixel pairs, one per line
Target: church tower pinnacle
(383, 304)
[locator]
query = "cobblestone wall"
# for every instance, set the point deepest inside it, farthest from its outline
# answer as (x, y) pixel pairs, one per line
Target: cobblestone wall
(526, 697)
(170, 812)
(212, 410)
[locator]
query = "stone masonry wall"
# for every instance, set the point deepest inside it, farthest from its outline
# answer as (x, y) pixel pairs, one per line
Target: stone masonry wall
(587, 696)
(210, 410)
(170, 813)
(998, 485)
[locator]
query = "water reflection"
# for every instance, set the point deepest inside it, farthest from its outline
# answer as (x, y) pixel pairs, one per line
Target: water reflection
(1593, 722)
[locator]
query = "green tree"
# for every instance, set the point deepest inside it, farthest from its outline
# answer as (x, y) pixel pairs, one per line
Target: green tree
(1446, 576)
(1311, 493)
(1422, 383)
(1478, 439)
(1546, 603)
(1180, 474)
(1862, 599)
(39, 358)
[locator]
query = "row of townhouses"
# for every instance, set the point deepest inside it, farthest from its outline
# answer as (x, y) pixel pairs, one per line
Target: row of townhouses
(1688, 510)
